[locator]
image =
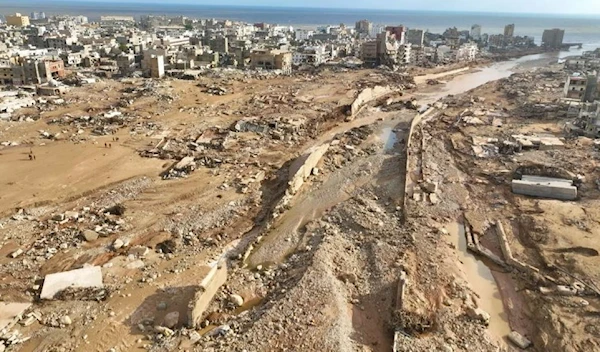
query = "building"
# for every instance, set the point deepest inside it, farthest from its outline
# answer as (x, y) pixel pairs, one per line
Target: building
(309, 56)
(219, 45)
(126, 63)
(37, 71)
(476, 32)
(399, 32)
(17, 20)
(415, 36)
(271, 60)
(553, 38)
(116, 21)
(582, 87)
(404, 54)
(303, 34)
(467, 52)
(156, 66)
(363, 27)
(38, 15)
(509, 30)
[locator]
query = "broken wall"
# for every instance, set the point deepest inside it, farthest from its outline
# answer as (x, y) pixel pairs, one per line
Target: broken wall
(368, 95)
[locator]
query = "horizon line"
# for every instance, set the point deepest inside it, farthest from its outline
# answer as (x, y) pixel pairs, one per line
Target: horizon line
(179, 2)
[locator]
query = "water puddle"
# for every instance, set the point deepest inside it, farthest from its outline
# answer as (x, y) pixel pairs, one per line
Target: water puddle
(480, 279)
(389, 138)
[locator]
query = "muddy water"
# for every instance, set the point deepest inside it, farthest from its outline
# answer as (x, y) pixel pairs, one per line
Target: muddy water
(480, 279)
(389, 138)
(468, 81)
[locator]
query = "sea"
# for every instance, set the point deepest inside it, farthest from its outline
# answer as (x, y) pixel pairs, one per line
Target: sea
(578, 28)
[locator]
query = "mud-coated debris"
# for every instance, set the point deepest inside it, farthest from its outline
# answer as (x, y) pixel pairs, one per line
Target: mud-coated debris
(166, 247)
(118, 209)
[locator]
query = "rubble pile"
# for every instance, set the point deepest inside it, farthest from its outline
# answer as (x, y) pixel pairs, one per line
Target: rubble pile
(60, 233)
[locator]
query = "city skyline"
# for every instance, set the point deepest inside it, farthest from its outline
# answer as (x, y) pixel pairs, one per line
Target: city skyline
(582, 7)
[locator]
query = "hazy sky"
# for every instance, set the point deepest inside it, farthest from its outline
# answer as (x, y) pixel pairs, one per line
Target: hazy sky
(527, 6)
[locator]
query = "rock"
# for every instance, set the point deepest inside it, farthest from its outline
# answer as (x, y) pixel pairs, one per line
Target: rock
(447, 348)
(90, 235)
(163, 330)
(566, 290)
(195, 337)
(16, 253)
(136, 264)
(161, 306)
(519, 340)
(139, 251)
(433, 198)
(315, 171)
(58, 217)
(171, 319)
(66, 320)
(237, 300)
(118, 243)
(479, 314)
(429, 187)
(73, 215)
(221, 330)
(2, 347)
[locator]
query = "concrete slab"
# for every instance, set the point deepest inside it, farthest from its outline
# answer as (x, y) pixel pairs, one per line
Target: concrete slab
(553, 190)
(10, 313)
(80, 278)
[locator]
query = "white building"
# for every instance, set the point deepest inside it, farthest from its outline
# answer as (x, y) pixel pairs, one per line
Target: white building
(375, 30)
(467, 52)
(303, 34)
(314, 55)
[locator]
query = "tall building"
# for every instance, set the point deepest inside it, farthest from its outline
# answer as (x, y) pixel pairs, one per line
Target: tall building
(476, 32)
(553, 38)
(399, 32)
(363, 27)
(17, 20)
(509, 30)
(415, 36)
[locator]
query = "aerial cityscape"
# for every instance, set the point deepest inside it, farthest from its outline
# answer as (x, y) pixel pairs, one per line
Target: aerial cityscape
(298, 179)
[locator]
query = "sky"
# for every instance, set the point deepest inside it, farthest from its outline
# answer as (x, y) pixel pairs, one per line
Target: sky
(588, 7)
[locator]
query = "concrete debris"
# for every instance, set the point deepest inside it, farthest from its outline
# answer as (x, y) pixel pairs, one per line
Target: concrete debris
(11, 313)
(479, 314)
(519, 340)
(89, 277)
(545, 187)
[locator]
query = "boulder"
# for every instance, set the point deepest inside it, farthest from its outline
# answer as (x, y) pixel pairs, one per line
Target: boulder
(237, 300)
(90, 235)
